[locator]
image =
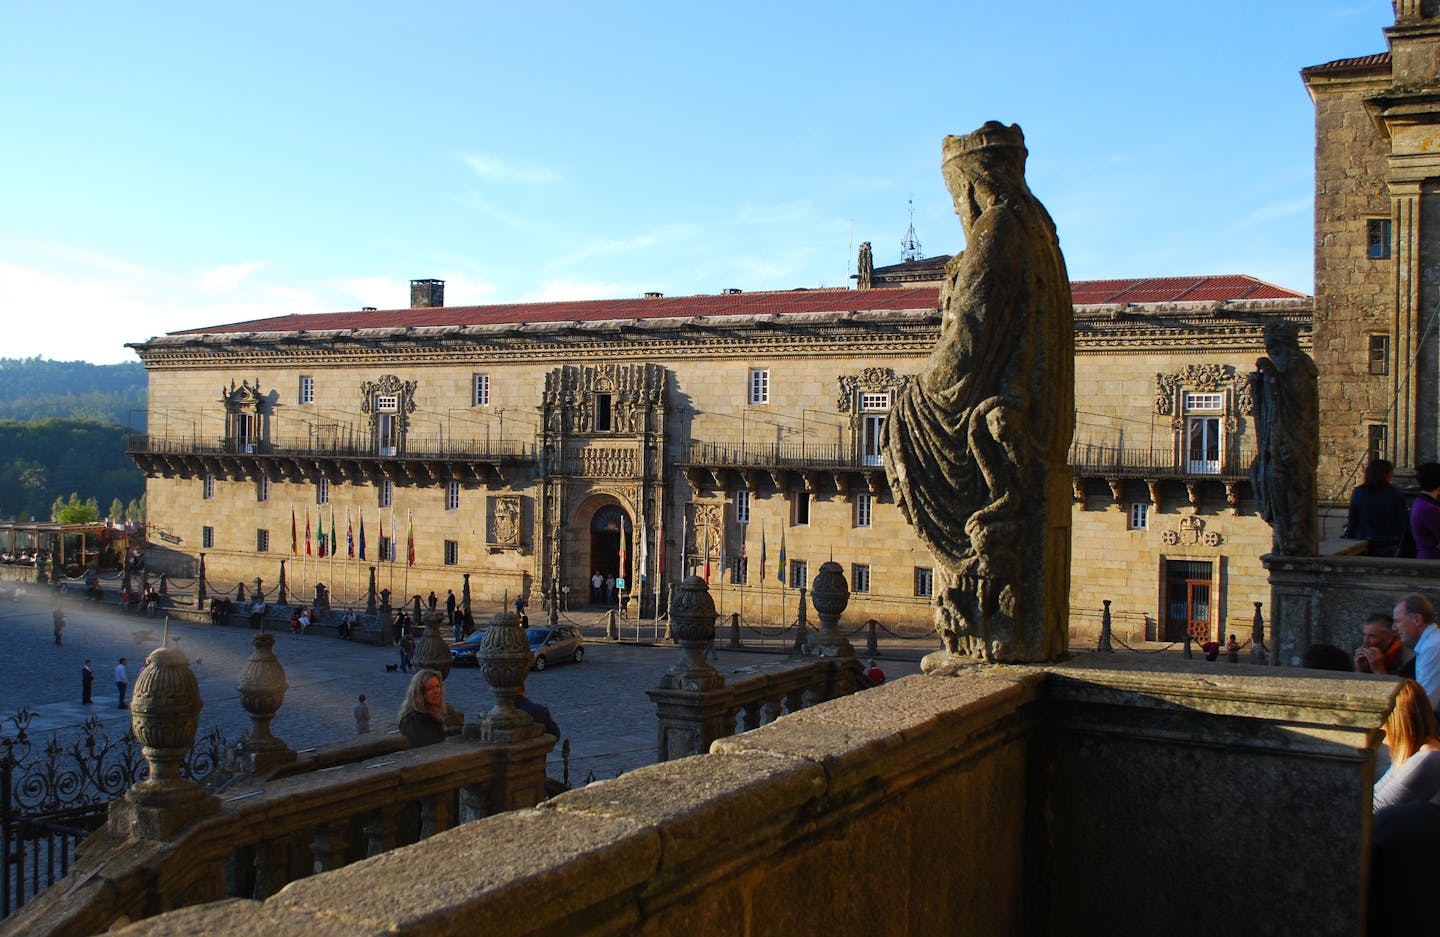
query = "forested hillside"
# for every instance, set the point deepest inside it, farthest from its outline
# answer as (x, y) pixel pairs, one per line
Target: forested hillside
(39, 389)
(43, 460)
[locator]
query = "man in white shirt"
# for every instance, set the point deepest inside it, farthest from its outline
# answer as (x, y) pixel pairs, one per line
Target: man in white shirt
(1415, 624)
(122, 679)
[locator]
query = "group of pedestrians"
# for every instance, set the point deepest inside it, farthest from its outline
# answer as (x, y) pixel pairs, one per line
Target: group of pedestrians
(87, 682)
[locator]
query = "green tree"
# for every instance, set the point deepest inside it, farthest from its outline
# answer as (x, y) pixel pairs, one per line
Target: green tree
(117, 510)
(74, 511)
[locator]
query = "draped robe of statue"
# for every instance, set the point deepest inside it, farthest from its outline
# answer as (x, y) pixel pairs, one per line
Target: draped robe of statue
(1285, 388)
(976, 447)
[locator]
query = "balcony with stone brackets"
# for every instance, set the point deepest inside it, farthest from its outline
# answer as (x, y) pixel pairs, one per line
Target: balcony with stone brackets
(1227, 469)
(420, 460)
(818, 467)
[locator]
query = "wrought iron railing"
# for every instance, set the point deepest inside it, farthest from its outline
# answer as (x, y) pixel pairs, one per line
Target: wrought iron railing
(415, 448)
(779, 454)
(1103, 458)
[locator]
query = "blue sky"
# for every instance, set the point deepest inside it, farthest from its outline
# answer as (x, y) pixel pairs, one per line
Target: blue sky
(176, 165)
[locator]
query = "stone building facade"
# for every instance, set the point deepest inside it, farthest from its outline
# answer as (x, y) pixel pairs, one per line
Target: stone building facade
(1377, 253)
(529, 446)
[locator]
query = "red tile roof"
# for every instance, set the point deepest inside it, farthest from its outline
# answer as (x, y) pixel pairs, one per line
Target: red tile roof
(791, 302)
(1357, 64)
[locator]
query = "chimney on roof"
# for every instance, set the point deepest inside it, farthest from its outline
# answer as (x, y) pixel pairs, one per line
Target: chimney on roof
(427, 294)
(367, 308)
(730, 290)
(653, 295)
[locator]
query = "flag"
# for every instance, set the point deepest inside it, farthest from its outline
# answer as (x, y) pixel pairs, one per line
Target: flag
(334, 537)
(660, 559)
(362, 535)
(320, 535)
(624, 553)
(744, 562)
(349, 536)
(644, 551)
(780, 563)
(762, 554)
(707, 552)
(294, 539)
(307, 532)
(410, 540)
(381, 535)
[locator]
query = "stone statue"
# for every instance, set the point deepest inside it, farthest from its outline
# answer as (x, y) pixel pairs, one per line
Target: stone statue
(1284, 387)
(976, 446)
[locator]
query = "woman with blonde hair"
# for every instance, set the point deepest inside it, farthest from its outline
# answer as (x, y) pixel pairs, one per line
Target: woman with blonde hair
(1410, 732)
(422, 715)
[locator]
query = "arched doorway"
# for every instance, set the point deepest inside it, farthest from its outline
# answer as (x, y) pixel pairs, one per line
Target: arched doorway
(611, 532)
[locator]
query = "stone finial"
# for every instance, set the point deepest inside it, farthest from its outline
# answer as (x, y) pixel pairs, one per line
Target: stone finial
(692, 621)
(830, 594)
(283, 594)
(431, 652)
(262, 687)
(1257, 638)
(370, 594)
(165, 713)
(504, 658)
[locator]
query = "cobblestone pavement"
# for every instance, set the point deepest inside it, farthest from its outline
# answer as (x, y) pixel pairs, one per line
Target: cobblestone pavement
(600, 704)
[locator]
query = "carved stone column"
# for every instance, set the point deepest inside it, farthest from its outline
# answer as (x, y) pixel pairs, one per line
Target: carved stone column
(431, 652)
(504, 658)
(165, 713)
(830, 594)
(262, 687)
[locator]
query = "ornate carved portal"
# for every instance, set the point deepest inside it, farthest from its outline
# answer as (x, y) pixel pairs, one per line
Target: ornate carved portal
(244, 410)
(602, 431)
(389, 403)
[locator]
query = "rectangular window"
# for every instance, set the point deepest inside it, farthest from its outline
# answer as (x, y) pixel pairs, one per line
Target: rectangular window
(1140, 515)
(307, 390)
(759, 386)
(452, 496)
(924, 582)
(387, 550)
(482, 390)
(799, 574)
(801, 510)
(322, 491)
(1379, 354)
(207, 537)
(262, 489)
(602, 414)
(875, 402)
(1204, 401)
(207, 487)
(1377, 238)
(385, 492)
(862, 510)
(1377, 441)
(452, 553)
(1202, 445)
(742, 506)
(262, 541)
(860, 578)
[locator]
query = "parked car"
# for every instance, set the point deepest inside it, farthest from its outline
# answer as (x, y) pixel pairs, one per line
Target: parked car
(553, 645)
(462, 653)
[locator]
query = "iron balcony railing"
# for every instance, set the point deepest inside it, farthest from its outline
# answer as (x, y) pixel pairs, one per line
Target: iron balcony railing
(786, 454)
(1105, 459)
(309, 447)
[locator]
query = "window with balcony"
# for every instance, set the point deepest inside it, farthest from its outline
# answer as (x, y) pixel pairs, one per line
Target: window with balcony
(452, 552)
(604, 414)
(1204, 441)
(452, 496)
(924, 582)
(860, 577)
(759, 386)
(262, 541)
(385, 493)
(307, 390)
(862, 510)
(482, 390)
(873, 409)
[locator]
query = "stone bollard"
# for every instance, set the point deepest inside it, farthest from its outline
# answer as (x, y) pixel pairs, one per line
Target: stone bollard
(240, 592)
(1104, 645)
(262, 687)
(802, 631)
(1257, 638)
(612, 625)
(734, 629)
(1188, 654)
(370, 604)
(692, 617)
(199, 584)
(387, 620)
(164, 583)
(504, 659)
(830, 594)
(165, 713)
(282, 591)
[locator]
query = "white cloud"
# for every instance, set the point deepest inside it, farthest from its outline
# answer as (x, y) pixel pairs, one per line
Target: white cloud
(227, 278)
(497, 170)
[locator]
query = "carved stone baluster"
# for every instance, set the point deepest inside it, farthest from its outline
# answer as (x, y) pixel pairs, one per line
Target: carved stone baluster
(476, 801)
(262, 687)
(437, 814)
(328, 845)
(272, 867)
(773, 708)
(380, 831)
(752, 715)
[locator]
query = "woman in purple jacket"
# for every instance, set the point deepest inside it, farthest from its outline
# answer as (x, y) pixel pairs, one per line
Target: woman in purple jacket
(1425, 513)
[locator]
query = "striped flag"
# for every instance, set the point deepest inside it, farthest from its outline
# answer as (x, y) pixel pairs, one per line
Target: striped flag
(307, 532)
(349, 536)
(644, 551)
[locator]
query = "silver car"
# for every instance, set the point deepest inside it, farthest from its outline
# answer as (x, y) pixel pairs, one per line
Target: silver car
(553, 645)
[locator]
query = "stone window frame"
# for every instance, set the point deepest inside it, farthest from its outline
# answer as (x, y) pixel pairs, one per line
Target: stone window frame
(480, 390)
(1174, 391)
(452, 496)
(800, 509)
(1138, 516)
(207, 487)
(385, 546)
(759, 387)
(1378, 352)
(1377, 441)
(262, 488)
(924, 582)
(262, 540)
(322, 491)
(306, 392)
(452, 552)
(864, 510)
(742, 506)
(207, 537)
(873, 392)
(385, 493)
(860, 578)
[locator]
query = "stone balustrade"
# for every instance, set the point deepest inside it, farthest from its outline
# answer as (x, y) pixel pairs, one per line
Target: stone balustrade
(1004, 800)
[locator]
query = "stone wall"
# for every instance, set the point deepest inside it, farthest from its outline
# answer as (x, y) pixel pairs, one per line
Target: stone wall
(1101, 796)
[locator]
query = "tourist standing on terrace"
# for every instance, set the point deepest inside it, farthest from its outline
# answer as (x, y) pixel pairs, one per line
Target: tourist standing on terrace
(1425, 512)
(1377, 511)
(422, 715)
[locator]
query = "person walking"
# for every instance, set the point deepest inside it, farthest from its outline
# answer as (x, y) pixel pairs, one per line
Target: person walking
(362, 716)
(87, 683)
(407, 650)
(122, 680)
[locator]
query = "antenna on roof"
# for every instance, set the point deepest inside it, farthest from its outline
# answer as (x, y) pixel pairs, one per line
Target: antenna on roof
(910, 247)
